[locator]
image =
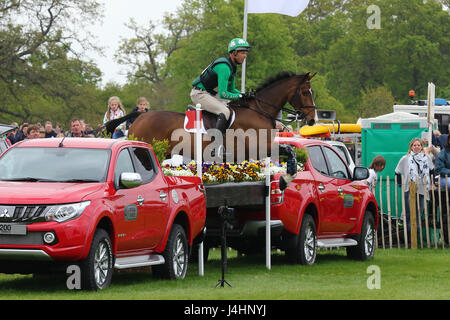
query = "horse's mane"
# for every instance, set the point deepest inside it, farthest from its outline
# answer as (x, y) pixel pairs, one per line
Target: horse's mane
(265, 84)
(272, 79)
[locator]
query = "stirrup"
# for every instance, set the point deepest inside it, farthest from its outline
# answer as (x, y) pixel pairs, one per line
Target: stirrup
(220, 151)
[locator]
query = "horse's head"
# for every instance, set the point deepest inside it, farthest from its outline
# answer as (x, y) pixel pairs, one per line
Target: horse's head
(302, 99)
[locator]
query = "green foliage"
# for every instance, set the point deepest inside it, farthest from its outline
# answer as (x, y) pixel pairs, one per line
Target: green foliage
(375, 102)
(41, 80)
(331, 38)
(325, 100)
(302, 155)
(443, 92)
(222, 21)
(160, 148)
(407, 52)
(107, 135)
(131, 137)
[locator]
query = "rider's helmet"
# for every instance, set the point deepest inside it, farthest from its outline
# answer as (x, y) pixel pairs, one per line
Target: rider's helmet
(238, 44)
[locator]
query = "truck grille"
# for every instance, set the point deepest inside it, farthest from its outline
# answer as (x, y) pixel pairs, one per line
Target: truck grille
(22, 213)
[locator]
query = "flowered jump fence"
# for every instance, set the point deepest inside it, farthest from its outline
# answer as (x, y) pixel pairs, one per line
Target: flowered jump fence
(229, 184)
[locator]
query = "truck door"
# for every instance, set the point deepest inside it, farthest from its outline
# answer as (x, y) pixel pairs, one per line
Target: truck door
(326, 191)
(348, 202)
(129, 212)
(155, 195)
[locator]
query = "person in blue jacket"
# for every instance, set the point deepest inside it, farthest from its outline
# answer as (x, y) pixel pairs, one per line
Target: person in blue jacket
(442, 166)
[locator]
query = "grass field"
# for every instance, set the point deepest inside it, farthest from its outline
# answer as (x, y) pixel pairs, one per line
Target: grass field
(404, 274)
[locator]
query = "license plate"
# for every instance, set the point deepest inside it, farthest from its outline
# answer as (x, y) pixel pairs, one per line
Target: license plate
(13, 229)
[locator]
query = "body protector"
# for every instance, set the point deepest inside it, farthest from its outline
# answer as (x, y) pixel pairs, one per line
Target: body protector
(208, 78)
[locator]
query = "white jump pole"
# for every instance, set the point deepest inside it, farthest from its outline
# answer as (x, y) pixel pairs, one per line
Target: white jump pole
(198, 150)
(268, 216)
(430, 110)
(244, 64)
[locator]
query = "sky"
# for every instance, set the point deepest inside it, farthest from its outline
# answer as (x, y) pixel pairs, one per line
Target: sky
(116, 14)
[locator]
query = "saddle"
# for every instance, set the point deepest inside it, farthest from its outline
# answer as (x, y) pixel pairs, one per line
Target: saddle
(209, 120)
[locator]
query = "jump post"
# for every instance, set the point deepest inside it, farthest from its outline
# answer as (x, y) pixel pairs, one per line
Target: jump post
(198, 148)
(232, 194)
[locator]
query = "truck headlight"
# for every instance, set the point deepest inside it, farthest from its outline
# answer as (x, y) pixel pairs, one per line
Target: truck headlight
(65, 212)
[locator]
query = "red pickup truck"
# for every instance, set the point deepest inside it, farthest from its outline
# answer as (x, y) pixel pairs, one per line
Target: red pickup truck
(98, 204)
(325, 205)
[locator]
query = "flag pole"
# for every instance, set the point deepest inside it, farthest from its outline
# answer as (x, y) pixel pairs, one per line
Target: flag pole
(244, 65)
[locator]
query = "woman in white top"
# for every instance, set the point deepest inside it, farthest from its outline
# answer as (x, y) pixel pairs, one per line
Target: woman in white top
(415, 167)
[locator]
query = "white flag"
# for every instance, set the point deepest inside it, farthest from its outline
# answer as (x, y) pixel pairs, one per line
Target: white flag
(288, 7)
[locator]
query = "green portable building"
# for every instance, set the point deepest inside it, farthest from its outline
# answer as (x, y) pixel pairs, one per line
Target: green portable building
(389, 135)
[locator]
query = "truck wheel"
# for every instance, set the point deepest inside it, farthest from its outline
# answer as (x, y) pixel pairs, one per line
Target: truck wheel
(175, 255)
(96, 269)
(366, 240)
(306, 250)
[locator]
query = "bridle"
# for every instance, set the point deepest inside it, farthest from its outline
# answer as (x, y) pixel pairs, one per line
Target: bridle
(297, 96)
(299, 115)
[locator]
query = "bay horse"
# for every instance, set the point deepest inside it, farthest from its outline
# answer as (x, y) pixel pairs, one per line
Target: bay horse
(257, 112)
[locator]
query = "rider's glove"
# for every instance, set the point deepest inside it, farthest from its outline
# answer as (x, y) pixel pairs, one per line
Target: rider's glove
(248, 95)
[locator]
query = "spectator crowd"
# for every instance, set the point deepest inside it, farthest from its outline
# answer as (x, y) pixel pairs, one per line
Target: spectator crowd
(77, 127)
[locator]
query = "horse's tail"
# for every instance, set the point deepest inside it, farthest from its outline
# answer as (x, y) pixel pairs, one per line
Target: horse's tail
(113, 124)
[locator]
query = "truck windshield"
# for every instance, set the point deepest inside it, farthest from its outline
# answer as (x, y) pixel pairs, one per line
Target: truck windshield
(54, 165)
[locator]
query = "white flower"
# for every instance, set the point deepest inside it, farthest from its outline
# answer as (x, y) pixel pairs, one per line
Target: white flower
(180, 173)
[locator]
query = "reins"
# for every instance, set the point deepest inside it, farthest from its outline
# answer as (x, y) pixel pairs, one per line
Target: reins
(266, 114)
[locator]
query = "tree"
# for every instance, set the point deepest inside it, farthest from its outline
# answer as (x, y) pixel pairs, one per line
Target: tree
(222, 21)
(408, 51)
(375, 102)
(36, 39)
(443, 92)
(354, 64)
(418, 46)
(326, 101)
(312, 40)
(146, 53)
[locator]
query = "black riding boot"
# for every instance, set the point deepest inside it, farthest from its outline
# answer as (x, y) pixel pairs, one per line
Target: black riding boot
(221, 125)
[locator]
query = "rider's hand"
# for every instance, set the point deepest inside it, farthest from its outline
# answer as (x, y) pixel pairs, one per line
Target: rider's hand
(248, 95)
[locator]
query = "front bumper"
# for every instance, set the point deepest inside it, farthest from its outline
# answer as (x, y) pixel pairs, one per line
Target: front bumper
(69, 244)
(24, 254)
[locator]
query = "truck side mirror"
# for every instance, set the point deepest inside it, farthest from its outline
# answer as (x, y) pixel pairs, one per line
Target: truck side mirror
(130, 180)
(360, 173)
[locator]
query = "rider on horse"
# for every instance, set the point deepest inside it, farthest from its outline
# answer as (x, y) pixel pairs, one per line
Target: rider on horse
(221, 75)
